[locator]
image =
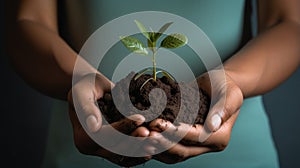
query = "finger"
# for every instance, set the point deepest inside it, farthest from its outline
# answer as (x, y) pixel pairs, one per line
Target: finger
(228, 103)
(139, 146)
(83, 97)
(197, 135)
(113, 134)
(172, 131)
(82, 140)
(121, 160)
(175, 152)
(148, 144)
(185, 133)
(129, 124)
(219, 140)
(133, 147)
(140, 132)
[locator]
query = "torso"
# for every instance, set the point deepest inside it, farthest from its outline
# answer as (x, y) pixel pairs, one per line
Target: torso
(223, 22)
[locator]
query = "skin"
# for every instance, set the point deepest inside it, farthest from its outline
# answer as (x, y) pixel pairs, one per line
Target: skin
(45, 61)
(250, 72)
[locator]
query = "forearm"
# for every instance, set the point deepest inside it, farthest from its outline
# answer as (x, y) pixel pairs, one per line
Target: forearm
(43, 59)
(267, 60)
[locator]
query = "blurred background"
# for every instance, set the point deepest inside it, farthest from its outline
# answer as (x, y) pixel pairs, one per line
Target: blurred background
(26, 114)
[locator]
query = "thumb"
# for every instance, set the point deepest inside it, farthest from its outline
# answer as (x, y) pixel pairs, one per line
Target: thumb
(93, 121)
(228, 103)
(83, 99)
(216, 116)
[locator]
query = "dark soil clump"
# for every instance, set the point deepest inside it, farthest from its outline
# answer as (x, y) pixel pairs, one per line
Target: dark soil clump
(139, 98)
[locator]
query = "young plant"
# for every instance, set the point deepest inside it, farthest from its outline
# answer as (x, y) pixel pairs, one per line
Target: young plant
(171, 41)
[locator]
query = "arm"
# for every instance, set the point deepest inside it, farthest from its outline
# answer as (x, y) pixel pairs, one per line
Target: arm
(265, 62)
(46, 62)
(39, 55)
(268, 59)
(271, 57)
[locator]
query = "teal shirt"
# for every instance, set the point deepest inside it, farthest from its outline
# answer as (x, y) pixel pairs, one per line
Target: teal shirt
(251, 143)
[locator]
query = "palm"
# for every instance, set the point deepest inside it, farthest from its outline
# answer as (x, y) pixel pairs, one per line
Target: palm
(199, 139)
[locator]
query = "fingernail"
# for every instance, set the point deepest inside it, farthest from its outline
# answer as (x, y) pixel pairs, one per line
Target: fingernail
(91, 123)
(216, 122)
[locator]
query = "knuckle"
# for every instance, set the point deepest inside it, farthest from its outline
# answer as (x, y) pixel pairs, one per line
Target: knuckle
(177, 157)
(236, 91)
(169, 157)
(221, 146)
(180, 157)
(227, 111)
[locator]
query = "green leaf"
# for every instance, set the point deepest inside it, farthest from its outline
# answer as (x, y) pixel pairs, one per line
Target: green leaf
(134, 45)
(174, 41)
(162, 30)
(154, 36)
(165, 27)
(142, 28)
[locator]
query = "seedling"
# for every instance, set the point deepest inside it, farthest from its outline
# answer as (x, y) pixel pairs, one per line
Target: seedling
(171, 41)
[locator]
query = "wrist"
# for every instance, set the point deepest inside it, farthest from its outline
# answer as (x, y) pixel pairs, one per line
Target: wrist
(240, 80)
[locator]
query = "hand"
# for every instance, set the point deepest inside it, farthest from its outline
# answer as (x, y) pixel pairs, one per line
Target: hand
(84, 96)
(214, 135)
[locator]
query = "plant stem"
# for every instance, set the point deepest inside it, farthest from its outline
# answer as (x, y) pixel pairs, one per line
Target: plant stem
(154, 65)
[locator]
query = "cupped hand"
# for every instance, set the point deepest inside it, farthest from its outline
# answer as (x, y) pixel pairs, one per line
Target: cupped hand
(83, 97)
(214, 135)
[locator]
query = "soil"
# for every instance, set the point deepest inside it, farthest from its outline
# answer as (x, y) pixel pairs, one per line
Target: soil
(139, 98)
